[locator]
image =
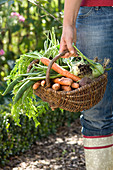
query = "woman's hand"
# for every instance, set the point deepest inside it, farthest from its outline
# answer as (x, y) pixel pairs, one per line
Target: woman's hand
(69, 31)
(67, 39)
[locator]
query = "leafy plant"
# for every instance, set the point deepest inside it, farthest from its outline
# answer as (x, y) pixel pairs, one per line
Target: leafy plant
(29, 104)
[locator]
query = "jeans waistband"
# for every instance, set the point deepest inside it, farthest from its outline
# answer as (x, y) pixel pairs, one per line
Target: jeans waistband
(98, 7)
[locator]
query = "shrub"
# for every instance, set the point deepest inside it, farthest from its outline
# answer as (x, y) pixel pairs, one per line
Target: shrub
(15, 139)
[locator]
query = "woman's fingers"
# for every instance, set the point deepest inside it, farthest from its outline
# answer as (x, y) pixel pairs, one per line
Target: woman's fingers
(67, 39)
(66, 46)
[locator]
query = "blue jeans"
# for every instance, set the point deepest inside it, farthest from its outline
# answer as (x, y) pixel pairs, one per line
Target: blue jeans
(95, 38)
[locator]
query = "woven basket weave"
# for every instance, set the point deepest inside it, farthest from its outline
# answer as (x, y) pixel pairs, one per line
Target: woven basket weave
(76, 100)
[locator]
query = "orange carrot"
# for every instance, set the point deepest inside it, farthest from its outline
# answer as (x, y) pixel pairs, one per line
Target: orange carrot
(56, 80)
(63, 81)
(43, 82)
(75, 85)
(56, 86)
(36, 85)
(66, 81)
(59, 69)
(66, 88)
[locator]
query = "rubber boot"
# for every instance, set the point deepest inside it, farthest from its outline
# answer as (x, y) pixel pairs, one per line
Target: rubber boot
(98, 152)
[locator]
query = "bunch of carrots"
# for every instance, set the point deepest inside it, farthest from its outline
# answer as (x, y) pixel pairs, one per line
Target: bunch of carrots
(63, 84)
(67, 82)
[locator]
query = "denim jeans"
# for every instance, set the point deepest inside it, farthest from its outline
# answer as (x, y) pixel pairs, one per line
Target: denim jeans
(95, 38)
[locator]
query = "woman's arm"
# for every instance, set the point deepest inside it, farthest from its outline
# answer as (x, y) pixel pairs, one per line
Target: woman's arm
(71, 8)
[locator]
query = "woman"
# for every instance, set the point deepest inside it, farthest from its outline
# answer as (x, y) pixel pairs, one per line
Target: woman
(89, 25)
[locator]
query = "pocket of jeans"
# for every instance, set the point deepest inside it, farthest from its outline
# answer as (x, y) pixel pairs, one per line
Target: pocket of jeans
(108, 10)
(84, 12)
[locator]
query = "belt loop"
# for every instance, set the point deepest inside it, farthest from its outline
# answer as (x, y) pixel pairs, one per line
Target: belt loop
(97, 8)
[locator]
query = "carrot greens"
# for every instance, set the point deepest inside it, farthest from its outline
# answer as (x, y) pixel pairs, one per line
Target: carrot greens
(20, 81)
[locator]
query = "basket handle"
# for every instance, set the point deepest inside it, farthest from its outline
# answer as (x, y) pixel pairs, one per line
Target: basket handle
(50, 65)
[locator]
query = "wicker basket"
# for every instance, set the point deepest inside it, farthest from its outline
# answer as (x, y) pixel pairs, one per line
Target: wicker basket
(76, 100)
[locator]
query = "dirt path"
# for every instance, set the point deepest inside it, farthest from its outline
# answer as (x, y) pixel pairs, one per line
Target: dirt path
(63, 151)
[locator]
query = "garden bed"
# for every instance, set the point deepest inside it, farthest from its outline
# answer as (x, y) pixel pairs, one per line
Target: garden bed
(62, 151)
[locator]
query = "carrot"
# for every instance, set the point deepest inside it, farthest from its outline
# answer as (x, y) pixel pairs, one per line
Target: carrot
(63, 81)
(36, 85)
(56, 80)
(66, 88)
(59, 69)
(75, 85)
(56, 86)
(43, 82)
(66, 81)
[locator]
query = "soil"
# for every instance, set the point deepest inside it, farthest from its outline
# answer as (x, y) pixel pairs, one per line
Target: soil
(62, 151)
